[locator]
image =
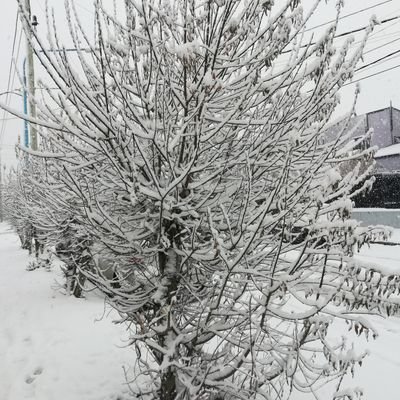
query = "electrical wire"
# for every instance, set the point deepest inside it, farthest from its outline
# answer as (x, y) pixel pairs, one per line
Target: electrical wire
(372, 75)
(348, 15)
(10, 78)
(379, 60)
(382, 62)
(387, 57)
(385, 21)
(347, 33)
(383, 45)
(376, 35)
(15, 61)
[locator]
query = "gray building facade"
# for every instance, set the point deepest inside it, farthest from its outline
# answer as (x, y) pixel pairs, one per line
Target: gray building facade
(385, 124)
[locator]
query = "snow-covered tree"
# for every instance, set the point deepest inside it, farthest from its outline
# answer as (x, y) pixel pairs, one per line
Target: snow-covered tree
(14, 207)
(42, 212)
(191, 136)
(20, 209)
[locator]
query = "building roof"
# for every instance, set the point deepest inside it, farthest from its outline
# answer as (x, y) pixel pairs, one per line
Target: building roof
(388, 151)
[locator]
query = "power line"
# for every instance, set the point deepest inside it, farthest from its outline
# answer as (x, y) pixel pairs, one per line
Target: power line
(4, 113)
(17, 57)
(9, 77)
(348, 15)
(378, 60)
(385, 21)
(377, 37)
(386, 60)
(373, 38)
(380, 47)
(372, 75)
(8, 93)
(347, 33)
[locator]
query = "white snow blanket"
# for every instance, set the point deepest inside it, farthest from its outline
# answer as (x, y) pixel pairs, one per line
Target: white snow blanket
(53, 346)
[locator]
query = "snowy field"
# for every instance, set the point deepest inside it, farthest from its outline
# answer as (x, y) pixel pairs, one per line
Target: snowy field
(54, 347)
(380, 372)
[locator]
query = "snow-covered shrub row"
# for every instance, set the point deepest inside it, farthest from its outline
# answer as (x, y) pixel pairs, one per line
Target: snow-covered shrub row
(187, 142)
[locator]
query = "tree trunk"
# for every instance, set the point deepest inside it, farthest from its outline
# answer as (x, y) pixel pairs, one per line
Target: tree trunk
(78, 282)
(168, 385)
(168, 264)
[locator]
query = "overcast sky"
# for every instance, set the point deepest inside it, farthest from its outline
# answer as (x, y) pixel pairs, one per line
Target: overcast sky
(376, 91)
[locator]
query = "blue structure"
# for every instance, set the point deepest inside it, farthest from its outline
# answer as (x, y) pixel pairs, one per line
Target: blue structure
(25, 96)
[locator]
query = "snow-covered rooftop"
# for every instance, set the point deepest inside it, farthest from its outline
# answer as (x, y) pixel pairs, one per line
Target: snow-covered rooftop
(388, 151)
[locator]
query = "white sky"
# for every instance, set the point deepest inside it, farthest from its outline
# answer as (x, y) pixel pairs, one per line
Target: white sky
(376, 92)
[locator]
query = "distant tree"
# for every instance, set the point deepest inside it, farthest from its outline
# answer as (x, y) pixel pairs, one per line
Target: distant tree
(39, 209)
(19, 210)
(191, 135)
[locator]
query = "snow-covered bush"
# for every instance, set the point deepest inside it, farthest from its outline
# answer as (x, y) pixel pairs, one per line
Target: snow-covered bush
(190, 136)
(43, 213)
(19, 210)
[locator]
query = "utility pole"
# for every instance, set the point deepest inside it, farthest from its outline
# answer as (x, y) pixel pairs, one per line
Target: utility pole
(29, 25)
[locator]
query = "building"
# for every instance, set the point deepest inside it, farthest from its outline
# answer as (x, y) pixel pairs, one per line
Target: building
(386, 137)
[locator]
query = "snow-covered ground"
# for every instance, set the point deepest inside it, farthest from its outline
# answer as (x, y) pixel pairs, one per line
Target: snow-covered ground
(54, 347)
(380, 373)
